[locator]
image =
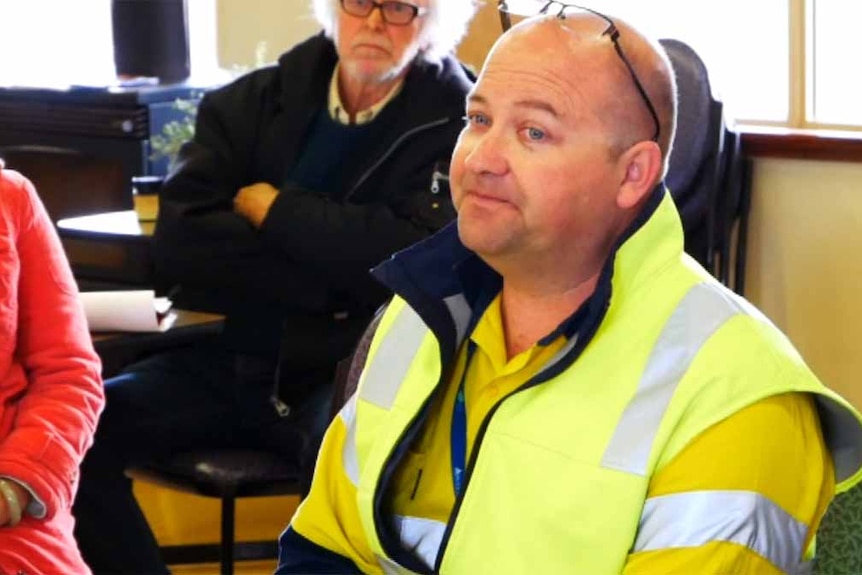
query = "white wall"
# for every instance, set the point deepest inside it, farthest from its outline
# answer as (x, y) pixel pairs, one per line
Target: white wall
(283, 23)
(804, 264)
(243, 24)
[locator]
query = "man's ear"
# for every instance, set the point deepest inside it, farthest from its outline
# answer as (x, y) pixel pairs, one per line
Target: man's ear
(642, 168)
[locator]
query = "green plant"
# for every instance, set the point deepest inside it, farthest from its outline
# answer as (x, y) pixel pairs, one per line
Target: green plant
(176, 132)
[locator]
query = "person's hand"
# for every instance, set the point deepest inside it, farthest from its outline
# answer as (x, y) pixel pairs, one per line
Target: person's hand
(23, 498)
(253, 202)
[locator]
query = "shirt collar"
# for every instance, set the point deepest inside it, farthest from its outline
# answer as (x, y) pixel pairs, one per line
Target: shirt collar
(340, 115)
(482, 286)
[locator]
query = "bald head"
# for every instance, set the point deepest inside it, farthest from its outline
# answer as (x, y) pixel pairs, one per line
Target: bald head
(585, 56)
(557, 157)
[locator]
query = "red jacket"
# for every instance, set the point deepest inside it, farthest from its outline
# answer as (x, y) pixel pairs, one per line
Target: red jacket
(50, 388)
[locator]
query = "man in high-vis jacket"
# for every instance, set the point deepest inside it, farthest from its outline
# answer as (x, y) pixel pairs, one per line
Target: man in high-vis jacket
(556, 386)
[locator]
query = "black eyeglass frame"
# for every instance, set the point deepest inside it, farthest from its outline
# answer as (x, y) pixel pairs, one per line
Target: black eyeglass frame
(611, 31)
(417, 11)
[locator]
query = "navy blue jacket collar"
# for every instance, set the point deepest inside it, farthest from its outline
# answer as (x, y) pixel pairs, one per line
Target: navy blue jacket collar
(441, 267)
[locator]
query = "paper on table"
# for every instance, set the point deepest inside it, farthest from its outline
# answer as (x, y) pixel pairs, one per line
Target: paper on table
(137, 310)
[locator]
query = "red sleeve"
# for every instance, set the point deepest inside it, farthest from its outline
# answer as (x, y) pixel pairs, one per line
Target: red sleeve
(54, 414)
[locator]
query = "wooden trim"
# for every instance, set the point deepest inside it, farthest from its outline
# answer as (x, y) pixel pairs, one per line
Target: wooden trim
(800, 59)
(821, 145)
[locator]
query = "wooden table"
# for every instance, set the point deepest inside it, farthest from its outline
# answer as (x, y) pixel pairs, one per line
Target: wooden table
(118, 349)
(111, 249)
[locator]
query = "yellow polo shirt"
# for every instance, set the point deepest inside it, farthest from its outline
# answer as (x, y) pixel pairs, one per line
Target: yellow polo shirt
(778, 437)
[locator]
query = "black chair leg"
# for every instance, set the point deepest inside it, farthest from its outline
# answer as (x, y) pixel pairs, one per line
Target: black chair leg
(227, 521)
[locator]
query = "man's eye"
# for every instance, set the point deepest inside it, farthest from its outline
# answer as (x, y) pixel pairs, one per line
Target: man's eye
(535, 134)
(477, 119)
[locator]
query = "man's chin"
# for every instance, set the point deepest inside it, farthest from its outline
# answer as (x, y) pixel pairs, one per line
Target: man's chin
(373, 72)
(482, 239)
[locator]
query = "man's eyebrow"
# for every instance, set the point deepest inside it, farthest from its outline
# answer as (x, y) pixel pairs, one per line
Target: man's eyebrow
(474, 98)
(540, 105)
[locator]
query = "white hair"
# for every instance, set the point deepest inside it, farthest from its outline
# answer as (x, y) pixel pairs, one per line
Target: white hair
(445, 24)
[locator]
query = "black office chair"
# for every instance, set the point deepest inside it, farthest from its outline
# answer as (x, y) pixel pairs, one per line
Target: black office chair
(706, 171)
(228, 474)
(730, 216)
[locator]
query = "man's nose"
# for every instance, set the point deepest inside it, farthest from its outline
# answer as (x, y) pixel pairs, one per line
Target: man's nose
(487, 154)
(375, 20)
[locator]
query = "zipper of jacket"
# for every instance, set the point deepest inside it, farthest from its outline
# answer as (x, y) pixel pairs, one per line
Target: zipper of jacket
(404, 558)
(395, 145)
(394, 551)
(584, 336)
(468, 473)
(538, 379)
(436, 178)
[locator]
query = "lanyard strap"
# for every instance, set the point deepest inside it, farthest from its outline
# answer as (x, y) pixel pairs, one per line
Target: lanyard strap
(458, 435)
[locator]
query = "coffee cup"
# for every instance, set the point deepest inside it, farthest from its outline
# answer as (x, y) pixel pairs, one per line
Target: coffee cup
(145, 196)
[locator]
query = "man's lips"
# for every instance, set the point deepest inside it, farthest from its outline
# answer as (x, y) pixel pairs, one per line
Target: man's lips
(484, 198)
(370, 47)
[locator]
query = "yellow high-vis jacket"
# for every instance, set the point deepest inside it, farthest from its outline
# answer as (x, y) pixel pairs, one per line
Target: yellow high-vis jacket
(557, 479)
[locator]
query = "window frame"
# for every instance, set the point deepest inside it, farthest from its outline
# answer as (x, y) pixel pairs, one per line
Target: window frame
(799, 138)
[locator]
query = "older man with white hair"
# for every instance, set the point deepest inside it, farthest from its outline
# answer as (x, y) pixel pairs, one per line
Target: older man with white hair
(299, 178)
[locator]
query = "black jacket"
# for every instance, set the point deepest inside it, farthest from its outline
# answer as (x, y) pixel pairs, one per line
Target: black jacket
(307, 267)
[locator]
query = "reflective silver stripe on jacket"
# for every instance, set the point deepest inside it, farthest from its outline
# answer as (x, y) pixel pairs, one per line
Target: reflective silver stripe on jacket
(697, 316)
(383, 375)
(742, 517)
(388, 368)
(420, 536)
(460, 311)
(349, 457)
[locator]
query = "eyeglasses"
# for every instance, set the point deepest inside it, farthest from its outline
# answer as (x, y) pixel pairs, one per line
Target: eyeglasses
(611, 31)
(393, 12)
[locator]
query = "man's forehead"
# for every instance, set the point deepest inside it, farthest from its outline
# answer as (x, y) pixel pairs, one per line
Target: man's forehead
(535, 69)
(553, 41)
(504, 98)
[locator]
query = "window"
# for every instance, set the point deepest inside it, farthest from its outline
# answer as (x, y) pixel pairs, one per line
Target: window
(773, 62)
(835, 96)
(60, 43)
(55, 43)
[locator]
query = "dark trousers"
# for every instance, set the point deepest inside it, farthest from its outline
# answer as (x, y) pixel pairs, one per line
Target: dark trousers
(196, 397)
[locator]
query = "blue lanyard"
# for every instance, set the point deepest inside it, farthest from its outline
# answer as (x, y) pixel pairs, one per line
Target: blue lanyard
(458, 435)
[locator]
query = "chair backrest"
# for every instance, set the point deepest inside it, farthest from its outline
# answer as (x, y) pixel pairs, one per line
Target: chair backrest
(708, 176)
(696, 160)
(730, 215)
(349, 369)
